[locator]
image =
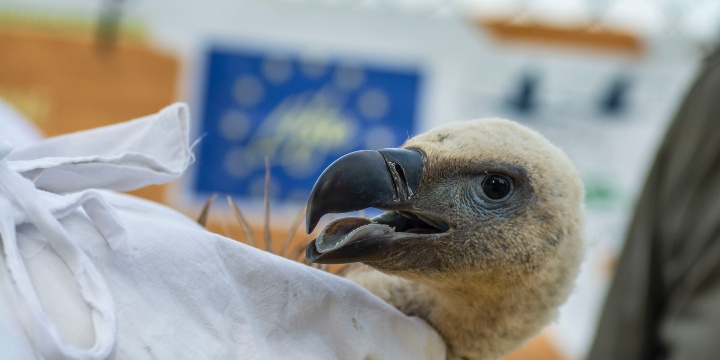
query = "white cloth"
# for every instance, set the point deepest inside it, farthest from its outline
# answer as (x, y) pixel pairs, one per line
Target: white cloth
(92, 274)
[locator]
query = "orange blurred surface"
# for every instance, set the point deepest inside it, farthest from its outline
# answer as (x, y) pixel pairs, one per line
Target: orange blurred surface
(539, 348)
(584, 37)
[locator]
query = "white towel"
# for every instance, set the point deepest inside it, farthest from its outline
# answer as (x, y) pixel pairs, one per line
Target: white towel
(160, 286)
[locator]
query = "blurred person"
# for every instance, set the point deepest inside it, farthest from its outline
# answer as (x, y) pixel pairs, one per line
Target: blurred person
(665, 300)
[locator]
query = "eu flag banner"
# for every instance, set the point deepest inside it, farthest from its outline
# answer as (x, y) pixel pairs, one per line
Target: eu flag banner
(300, 114)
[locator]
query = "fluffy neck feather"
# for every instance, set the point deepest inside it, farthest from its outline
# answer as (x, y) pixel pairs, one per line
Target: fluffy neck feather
(480, 317)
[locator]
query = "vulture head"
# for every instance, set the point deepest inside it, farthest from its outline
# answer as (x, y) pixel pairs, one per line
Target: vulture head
(481, 234)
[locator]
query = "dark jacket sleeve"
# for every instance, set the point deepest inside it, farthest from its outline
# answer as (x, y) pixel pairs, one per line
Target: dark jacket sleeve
(664, 302)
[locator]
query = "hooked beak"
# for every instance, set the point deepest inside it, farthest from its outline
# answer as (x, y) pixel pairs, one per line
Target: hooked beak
(384, 179)
(387, 179)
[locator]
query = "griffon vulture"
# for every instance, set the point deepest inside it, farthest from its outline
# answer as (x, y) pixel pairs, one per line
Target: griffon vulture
(481, 234)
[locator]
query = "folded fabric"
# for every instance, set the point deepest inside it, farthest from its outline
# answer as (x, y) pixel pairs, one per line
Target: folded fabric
(92, 274)
(125, 156)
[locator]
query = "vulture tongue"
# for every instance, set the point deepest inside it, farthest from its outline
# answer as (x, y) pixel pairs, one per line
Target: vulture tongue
(343, 231)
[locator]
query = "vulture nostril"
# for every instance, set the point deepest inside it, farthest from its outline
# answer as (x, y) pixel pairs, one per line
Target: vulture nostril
(402, 190)
(406, 191)
(405, 168)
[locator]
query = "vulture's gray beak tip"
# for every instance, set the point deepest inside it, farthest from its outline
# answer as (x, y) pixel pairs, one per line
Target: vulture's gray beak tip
(311, 253)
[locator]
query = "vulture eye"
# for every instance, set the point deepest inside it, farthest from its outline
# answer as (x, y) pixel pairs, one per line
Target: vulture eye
(496, 187)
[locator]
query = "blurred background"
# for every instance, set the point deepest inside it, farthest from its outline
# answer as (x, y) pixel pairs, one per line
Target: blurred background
(301, 82)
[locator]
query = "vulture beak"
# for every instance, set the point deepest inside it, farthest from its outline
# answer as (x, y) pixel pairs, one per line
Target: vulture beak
(387, 179)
